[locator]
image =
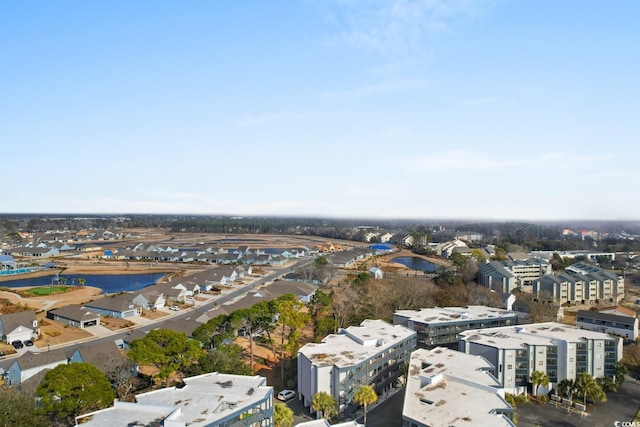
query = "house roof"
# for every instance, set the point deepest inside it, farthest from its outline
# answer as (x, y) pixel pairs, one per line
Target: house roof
(75, 312)
(606, 317)
(10, 322)
(104, 356)
(119, 303)
(31, 360)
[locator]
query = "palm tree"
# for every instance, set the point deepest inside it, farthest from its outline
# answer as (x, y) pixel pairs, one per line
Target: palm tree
(588, 388)
(282, 415)
(566, 388)
(325, 403)
(364, 396)
(621, 371)
(539, 378)
(82, 281)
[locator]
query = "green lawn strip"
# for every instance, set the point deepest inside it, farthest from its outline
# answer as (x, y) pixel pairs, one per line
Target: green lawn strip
(47, 290)
(636, 418)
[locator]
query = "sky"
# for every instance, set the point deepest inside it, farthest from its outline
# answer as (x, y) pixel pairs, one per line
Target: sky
(416, 109)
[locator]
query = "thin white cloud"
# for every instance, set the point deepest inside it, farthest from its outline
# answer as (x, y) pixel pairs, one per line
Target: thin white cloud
(398, 27)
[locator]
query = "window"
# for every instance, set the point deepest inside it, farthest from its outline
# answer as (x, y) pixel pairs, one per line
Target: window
(540, 362)
(509, 366)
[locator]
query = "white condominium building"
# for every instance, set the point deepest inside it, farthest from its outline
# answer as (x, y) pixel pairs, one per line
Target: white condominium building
(448, 388)
(374, 353)
(562, 351)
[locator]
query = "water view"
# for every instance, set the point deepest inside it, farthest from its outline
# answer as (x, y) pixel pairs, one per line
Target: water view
(109, 283)
(415, 263)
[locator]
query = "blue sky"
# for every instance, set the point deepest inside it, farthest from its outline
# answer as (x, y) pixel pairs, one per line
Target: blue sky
(454, 109)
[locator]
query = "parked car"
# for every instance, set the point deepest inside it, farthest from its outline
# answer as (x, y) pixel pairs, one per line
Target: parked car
(286, 395)
(174, 308)
(28, 343)
(17, 344)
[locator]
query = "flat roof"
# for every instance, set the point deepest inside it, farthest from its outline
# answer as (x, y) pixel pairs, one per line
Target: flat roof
(446, 387)
(515, 337)
(455, 314)
(204, 400)
(356, 344)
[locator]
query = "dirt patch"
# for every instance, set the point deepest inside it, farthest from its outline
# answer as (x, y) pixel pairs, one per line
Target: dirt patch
(116, 324)
(53, 332)
(153, 314)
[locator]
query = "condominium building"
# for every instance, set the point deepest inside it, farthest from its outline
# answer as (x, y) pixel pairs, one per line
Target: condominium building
(447, 388)
(211, 400)
(580, 283)
(374, 353)
(562, 351)
(440, 326)
(505, 276)
(617, 324)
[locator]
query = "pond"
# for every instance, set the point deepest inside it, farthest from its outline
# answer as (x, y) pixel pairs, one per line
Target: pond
(415, 263)
(109, 283)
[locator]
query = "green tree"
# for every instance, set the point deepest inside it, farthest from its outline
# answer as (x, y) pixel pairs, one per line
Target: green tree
(214, 332)
(539, 378)
(14, 407)
(566, 388)
(225, 359)
(324, 403)
(74, 389)
(607, 384)
(588, 388)
(282, 415)
(321, 312)
(168, 351)
(365, 395)
(621, 371)
(291, 317)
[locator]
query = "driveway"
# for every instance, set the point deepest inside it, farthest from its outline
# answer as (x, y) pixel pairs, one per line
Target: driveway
(621, 406)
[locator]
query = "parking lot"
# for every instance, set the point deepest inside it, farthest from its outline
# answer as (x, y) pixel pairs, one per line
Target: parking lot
(621, 406)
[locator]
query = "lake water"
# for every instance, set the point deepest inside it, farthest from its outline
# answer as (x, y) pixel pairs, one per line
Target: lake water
(109, 283)
(415, 263)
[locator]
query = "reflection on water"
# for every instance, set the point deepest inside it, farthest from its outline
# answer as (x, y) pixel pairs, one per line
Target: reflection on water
(415, 263)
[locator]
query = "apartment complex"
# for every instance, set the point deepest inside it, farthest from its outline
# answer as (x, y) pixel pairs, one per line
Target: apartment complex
(616, 324)
(440, 326)
(580, 283)
(562, 351)
(505, 276)
(374, 353)
(446, 388)
(211, 400)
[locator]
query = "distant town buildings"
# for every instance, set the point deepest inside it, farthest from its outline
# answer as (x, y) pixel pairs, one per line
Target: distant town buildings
(559, 350)
(440, 326)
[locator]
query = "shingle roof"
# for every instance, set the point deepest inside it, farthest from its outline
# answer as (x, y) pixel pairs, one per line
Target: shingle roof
(10, 322)
(75, 312)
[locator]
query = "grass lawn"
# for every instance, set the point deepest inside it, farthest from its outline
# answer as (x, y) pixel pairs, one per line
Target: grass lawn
(46, 290)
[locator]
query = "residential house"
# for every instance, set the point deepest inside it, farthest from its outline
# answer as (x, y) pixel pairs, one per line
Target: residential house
(30, 364)
(151, 299)
(119, 306)
(445, 388)
(211, 400)
(103, 355)
(74, 315)
(374, 353)
(19, 326)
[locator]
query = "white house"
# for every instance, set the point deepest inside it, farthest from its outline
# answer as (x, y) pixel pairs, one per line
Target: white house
(20, 326)
(30, 364)
(376, 273)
